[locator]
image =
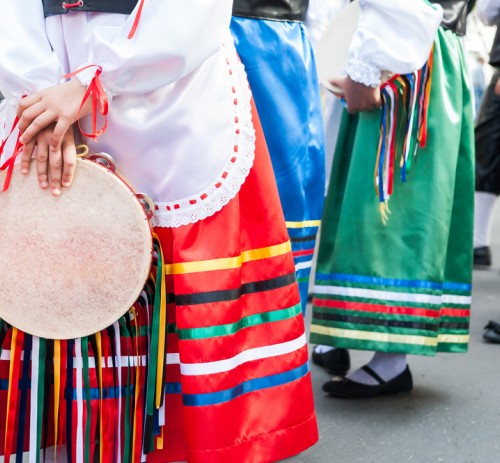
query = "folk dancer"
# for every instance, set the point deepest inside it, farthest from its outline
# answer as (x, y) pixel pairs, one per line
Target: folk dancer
(399, 283)
(182, 127)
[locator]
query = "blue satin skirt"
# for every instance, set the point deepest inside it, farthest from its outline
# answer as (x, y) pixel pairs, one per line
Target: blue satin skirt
(279, 61)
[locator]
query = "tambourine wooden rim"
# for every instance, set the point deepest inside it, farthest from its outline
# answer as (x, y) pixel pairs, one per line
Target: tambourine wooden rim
(72, 265)
(333, 48)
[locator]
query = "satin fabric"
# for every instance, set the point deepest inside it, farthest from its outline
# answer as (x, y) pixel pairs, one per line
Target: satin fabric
(455, 14)
(278, 10)
(236, 348)
(404, 286)
(241, 429)
(286, 92)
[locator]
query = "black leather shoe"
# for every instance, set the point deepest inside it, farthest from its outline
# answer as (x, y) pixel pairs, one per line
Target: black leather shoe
(347, 389)
(482, 257)
(336, 361)
(492, 333)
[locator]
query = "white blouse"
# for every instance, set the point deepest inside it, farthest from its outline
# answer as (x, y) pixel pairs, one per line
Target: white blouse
(179, 121)
(392, 35)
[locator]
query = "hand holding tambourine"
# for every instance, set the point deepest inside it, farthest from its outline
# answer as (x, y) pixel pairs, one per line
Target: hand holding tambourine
(72, 264)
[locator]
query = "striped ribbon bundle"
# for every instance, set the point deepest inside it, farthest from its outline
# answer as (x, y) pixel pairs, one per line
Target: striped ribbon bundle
(403, 129)
(101, 396)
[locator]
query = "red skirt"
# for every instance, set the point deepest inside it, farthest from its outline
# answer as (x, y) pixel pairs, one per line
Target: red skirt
(221, 376)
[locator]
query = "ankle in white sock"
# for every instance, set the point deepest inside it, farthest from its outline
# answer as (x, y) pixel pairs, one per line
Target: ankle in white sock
(484, 206)
(387, 366)
(323, 349)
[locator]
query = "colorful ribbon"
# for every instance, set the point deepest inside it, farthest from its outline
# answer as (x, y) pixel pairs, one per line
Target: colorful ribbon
(13, 391)
(85, 394)
(406, 99)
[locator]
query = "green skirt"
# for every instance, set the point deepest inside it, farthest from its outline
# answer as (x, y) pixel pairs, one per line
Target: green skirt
(403, 286)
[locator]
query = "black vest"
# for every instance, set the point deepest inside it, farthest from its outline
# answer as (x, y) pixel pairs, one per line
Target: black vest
(455, 14)
(495, 49)
(454, 18)
(280, 10)
(54, 7)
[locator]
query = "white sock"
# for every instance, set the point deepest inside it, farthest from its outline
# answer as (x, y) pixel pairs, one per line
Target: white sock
(387, 366)
(484, 205)
(322, 349)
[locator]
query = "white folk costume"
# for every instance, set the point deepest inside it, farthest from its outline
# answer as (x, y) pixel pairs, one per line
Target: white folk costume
(182, 128)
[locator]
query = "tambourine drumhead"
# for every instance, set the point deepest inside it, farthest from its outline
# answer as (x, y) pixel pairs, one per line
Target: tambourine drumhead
(71, 265)
(333, 49)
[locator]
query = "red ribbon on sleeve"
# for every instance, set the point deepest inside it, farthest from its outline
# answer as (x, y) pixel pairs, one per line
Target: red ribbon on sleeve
(95, 91)
(9, 164)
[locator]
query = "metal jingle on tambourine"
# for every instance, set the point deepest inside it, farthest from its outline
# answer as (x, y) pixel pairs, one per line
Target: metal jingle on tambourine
(107, 161)
(147, 203)
(104, 159)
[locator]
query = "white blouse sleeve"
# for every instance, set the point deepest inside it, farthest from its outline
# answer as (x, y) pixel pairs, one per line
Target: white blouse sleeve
(393, 36)
(173, 38)
(488, 11)
(27, 61)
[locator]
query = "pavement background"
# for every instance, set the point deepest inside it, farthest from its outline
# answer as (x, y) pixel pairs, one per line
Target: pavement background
(452, 414)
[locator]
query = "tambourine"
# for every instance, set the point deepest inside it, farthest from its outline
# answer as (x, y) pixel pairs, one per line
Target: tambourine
(332, 52)
(72, 265)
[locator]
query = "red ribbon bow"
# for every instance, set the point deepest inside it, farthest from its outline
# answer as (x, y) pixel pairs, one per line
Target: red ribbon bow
(95, 91)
